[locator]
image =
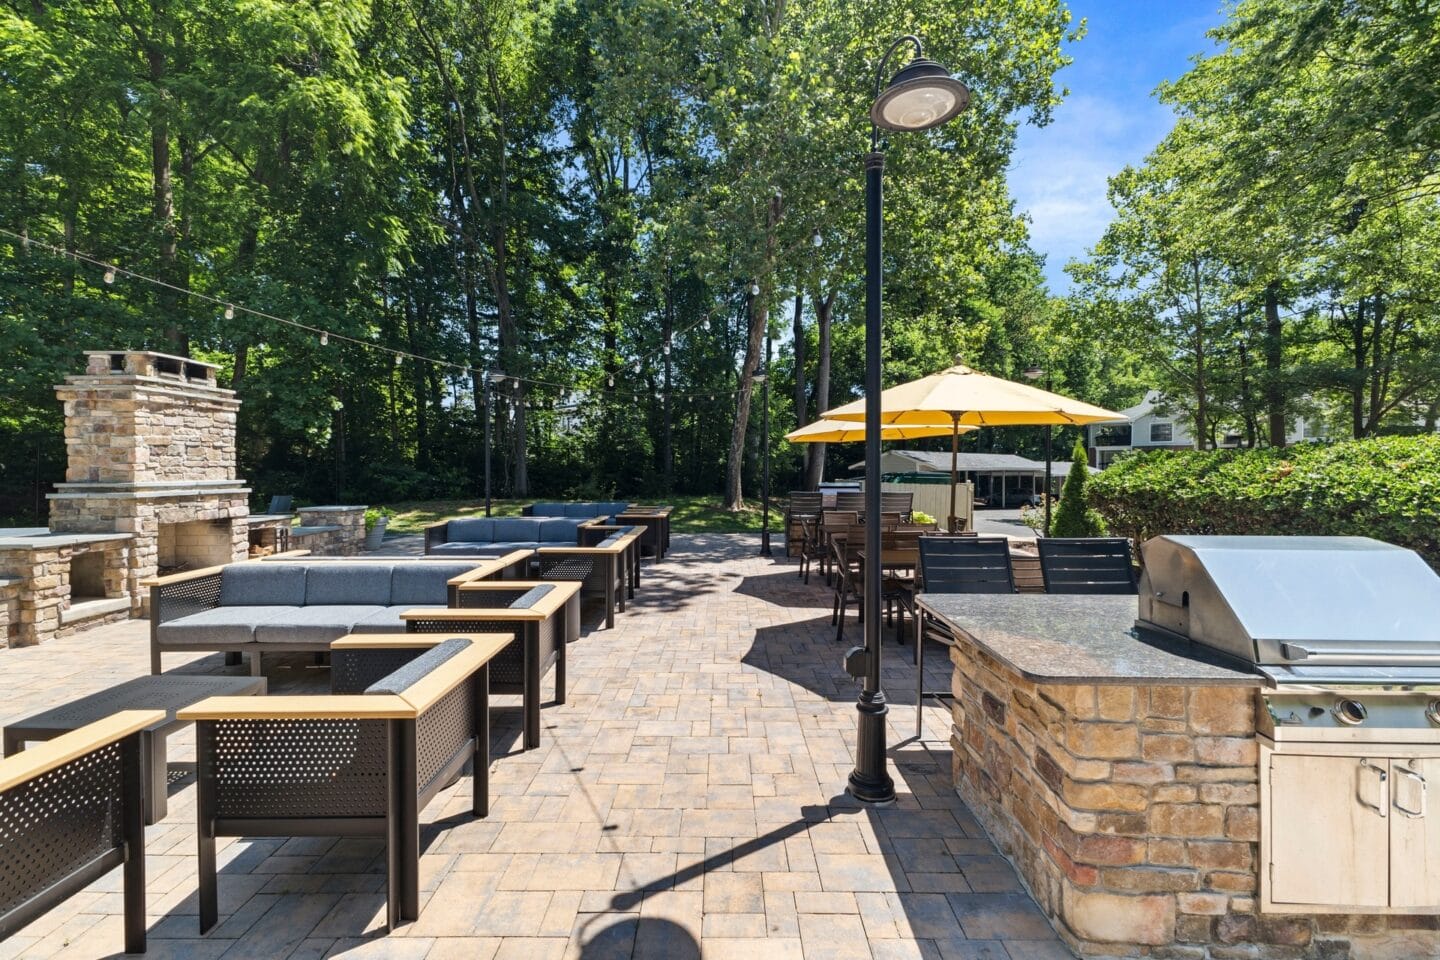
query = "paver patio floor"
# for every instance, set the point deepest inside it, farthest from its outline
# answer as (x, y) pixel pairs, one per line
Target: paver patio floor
(687, 801)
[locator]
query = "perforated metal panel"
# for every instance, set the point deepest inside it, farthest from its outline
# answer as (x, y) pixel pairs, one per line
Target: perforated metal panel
(352, 671)
(57, 823)
(300, 768)
(490, 599)
(441, 732)
(579, 569)
(188, 596)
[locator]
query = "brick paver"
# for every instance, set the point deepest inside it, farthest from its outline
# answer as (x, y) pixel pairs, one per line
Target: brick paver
(687, 801)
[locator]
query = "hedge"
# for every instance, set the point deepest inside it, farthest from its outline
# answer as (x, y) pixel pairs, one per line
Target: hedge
(1383, 487)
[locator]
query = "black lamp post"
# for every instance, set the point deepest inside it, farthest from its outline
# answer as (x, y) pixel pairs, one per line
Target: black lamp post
(922, 95)
(764, 379)
(1035, 373)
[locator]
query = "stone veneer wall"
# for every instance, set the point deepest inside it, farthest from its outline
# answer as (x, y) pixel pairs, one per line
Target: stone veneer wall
(1132, 813)
(346, 540)
(31, 610)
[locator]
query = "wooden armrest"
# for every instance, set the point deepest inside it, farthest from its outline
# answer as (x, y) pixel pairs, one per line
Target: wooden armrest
(584, 551)
(401, 641)
(475, 615)
(333, 707)
(553, 600)
(425, 692)
(490, 566)
(44, 757)
(165, 581)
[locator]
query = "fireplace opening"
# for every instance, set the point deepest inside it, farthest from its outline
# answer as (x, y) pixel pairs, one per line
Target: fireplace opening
(192, 545)
(87, 576)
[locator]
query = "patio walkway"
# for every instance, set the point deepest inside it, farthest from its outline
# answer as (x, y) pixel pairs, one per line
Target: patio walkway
(688, 800)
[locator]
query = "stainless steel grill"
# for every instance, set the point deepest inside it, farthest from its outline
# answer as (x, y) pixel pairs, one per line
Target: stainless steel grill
(1299, 609)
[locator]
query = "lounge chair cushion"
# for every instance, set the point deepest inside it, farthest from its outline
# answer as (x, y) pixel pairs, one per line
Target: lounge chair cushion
(470, 529)
(468, 548)
(317, 624)
(222, 625)
(558, 529)
(420, 584)
(388, 619)
(402, 679)
(516, 529)
(340, 583)
(262, 585)
(530, 597)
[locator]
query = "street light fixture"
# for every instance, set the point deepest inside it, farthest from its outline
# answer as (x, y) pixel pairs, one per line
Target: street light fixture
(1035, 373)
(922, 95)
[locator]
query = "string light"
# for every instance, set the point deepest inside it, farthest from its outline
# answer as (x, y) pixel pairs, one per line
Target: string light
(754, 289)
(610, 381)
(110, 271)
(666, 349)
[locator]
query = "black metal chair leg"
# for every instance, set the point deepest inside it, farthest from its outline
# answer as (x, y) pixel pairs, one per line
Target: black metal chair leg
(132, 762)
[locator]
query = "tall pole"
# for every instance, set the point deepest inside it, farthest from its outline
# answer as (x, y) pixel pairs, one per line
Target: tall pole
(489, 416)
(1049, 435)
(870, 780)
(765, 441)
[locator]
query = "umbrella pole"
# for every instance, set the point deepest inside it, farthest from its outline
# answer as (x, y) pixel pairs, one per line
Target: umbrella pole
(954, 461)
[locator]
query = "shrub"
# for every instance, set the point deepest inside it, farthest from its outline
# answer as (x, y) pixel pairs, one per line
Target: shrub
(1382, 487)
(1074, 516)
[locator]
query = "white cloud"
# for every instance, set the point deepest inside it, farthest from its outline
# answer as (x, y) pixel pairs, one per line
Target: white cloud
(1058, 173)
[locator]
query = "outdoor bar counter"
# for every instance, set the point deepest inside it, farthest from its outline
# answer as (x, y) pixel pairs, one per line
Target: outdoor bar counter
(1120, 776)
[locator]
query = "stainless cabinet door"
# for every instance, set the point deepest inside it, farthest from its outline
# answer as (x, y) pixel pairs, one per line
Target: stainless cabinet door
(1329, 831)
(1414, 834)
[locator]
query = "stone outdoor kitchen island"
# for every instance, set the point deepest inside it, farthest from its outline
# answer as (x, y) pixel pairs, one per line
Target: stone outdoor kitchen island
(1122, 779)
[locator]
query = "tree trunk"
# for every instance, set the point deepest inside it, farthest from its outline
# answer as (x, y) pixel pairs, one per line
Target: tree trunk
(162, 198)
(815, 452)
(1377, 364)
(1359, 353)
(1274, 363)
(759, 317)
(1202, 398)
(667, 446)
(797, 327)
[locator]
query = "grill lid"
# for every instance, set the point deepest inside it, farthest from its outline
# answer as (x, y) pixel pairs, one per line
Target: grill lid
(1295, 601)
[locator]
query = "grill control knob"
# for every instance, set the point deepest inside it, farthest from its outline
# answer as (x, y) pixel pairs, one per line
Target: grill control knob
(1350, 713)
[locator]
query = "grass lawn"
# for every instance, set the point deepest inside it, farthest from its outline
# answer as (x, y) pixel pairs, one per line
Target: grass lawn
(693, 514)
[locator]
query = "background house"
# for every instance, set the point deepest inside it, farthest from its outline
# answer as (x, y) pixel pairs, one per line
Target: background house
(1145, 427)
(1000, 479)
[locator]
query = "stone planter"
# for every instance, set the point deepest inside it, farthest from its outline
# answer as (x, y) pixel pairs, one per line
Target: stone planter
(375, 536)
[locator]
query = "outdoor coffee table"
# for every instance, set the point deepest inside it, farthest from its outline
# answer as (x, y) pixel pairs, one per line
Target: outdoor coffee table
(168, 692)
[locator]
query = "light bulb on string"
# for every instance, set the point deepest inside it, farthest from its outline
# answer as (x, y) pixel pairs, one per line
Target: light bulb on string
(324, 339)
(705, 324)
(754, 289)
(109, 274)
(637, 366)
(399, 359)
(229, 311)
(666, 348)
(610, 381)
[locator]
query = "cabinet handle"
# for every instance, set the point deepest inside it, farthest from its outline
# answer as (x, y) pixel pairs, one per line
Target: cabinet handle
(1381, 778)
(1413, 814)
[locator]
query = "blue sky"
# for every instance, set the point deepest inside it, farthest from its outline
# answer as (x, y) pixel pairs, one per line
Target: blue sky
(1109, 119)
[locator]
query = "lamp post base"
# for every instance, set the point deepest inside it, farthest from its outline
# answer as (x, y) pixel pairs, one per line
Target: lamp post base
(765, 544)
(870, 780)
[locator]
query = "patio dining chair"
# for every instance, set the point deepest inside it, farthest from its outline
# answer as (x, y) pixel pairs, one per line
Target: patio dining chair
(801, 512)
(280, 503)
(901, 503)
(817, 540)
(1087, 565)
(847, 500)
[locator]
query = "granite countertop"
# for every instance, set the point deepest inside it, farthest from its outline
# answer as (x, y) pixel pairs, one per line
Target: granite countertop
(31, 538)
(1076, 638)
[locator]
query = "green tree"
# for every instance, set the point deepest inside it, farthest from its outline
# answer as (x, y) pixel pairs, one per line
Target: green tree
(1074, 516)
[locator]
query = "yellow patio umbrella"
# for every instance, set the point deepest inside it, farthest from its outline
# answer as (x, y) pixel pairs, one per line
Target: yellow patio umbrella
(848, 431)
(962, 397)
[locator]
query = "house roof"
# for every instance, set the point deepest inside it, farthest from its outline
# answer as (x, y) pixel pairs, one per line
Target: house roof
(933, 461)
(1142, 409)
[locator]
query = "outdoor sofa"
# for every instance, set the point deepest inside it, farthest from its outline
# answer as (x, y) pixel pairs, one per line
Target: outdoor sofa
(402, 722)
(493, 536)
(259, 606)
(590, 509)
(73, 808)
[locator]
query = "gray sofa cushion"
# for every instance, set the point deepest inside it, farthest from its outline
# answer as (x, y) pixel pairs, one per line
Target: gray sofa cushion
(548, 508)
(337, 583)
(388, 619)
(424, 583)
(612, 507)
(262, 585)
(402, 679)
(470, 528)
(516, 528)
(484, 549)
(558, 529)
(222, 625)
(530, 597)
(316, 624)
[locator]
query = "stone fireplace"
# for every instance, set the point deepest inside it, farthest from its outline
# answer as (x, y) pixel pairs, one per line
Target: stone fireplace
(150, 441)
